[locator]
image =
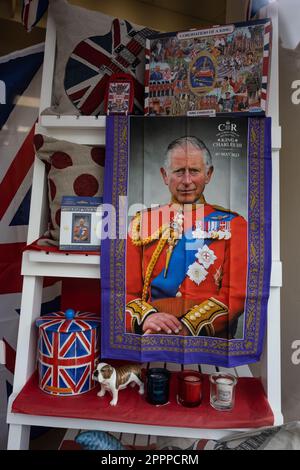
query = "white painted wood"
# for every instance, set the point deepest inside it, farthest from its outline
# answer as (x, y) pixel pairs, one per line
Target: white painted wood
(273, 111)
(208, 369)
(53, 265)
(276, 274)
(136, 440)
(227, 370)
(38, 203)
(156, 365)
(276, 137)
(128, 439)
(27, 335)
(172, 367)
(117, 435)
(151, 439)
(271, 360)
(62, 258)
(49, 61)
(86, 136)
(110, 426)
(194, 367)
(2, 352)
(18, 437)
(243, 371)
(273, 108)
(141, 440)
(73, 122)
(275, 207)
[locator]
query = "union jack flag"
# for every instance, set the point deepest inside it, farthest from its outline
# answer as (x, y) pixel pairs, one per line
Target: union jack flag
(20, 74)
(32, 12)
(68, 352)
(96, 58)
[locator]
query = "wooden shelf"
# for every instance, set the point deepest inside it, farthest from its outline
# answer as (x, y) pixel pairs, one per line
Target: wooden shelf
(252, 410)
(74, 122)
(41, 263)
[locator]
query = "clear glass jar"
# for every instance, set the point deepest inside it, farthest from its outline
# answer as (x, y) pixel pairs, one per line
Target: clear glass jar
(222, 391)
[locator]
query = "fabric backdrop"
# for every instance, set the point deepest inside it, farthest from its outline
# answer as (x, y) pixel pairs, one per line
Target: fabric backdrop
(21, 74)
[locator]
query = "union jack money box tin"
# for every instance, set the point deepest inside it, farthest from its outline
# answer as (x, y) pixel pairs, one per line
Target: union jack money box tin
(68, 350)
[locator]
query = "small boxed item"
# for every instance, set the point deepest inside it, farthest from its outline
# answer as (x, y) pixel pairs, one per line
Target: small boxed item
(80, 223)
(68, 351)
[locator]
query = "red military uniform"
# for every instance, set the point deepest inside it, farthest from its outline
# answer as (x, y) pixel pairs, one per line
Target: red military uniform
(210, 295)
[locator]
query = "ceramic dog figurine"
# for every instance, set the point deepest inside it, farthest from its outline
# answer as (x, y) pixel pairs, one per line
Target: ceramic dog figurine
(114, 379)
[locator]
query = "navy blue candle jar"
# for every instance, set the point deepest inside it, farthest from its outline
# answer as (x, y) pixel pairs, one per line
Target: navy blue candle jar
(157, 386)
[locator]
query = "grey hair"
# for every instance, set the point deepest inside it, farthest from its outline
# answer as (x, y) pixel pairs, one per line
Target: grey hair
(183, 142)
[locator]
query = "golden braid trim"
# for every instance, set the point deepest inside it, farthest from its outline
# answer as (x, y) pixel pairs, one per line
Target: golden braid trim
(153, 262)
(135, 229)
(136, 232)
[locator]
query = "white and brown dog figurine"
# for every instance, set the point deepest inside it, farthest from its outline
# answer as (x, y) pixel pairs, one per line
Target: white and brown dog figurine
(114, 379)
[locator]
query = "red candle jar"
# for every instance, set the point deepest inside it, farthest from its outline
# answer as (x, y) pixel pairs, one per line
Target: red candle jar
(189, 388)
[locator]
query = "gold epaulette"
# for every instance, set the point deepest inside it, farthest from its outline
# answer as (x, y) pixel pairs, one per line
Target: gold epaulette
(223, 209)
(203, 315)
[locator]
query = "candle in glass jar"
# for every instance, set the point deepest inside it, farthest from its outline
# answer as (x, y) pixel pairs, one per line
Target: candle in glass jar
(222, 391)
(191, 378)
(157, 386)
(189, 388)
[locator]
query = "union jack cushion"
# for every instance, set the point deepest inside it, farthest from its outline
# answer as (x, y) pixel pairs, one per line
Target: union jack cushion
(90, 47)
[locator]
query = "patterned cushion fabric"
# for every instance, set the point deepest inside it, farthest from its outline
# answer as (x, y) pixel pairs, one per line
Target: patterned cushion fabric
(72, 170)
(286, 437)
(90, 47)
(180, 443)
